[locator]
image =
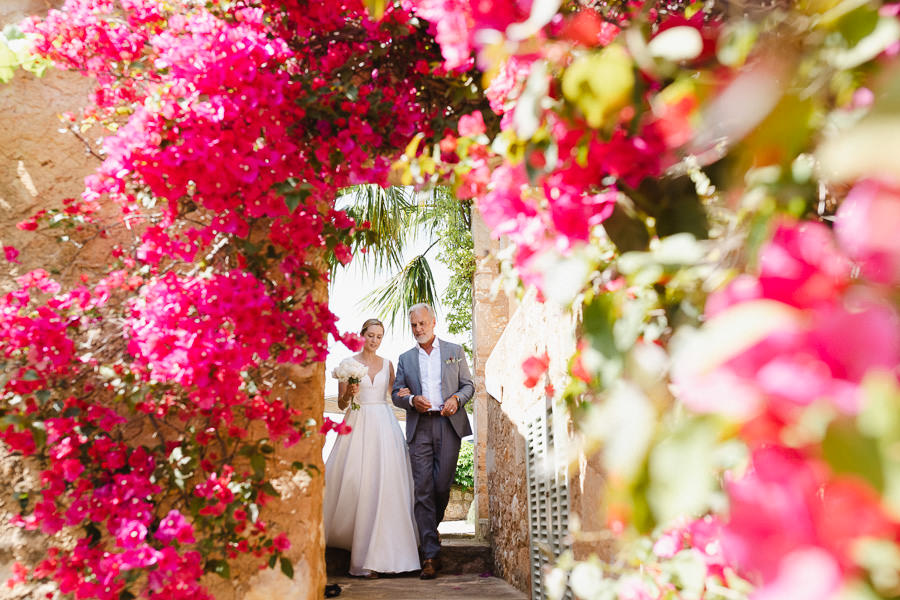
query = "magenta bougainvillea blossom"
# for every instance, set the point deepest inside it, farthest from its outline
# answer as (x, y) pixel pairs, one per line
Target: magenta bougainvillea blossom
(146, 394)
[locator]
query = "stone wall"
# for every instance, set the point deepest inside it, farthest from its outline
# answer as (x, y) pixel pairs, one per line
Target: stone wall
(534, 328)
(459, 504)
(298, 512)
(39, 167)
(490, 315)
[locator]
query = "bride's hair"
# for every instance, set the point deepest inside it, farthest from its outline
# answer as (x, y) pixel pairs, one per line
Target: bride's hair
(369, 323)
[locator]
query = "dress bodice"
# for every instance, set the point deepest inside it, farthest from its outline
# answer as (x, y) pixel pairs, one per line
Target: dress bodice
(374, 391)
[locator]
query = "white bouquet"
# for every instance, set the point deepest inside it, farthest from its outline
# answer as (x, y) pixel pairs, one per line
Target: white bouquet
(350, 371)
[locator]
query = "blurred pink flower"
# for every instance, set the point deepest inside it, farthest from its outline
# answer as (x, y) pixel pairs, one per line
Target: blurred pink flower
(472, 124)
(788, 510)
(805, 574)
(801, 266)
(770, 512)
(866, 227)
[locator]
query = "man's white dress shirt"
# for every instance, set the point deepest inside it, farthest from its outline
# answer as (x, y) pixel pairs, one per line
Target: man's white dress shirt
(430, 375)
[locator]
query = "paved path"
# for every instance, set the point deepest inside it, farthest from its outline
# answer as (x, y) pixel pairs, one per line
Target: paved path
(410, 587)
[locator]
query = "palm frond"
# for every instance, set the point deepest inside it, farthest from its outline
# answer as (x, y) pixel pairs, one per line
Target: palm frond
(389, 213)
(414, 284)
(438, 210)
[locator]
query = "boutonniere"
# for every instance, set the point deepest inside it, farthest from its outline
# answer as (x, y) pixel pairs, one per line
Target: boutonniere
(453, 360)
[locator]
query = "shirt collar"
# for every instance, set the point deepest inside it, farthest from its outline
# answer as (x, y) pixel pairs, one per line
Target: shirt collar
(434, 345)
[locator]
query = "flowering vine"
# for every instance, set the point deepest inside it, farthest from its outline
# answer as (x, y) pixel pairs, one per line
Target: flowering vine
(146, 397)
(664, 169)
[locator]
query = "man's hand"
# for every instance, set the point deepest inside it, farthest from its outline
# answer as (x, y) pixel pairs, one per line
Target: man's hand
(421, 403)
(451, 405)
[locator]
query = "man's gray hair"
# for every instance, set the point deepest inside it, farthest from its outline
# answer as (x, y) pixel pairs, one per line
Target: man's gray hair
(424, 305)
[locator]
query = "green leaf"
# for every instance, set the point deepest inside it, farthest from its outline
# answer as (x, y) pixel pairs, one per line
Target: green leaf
(258, 462)
(682, 471)
(287, 567)
(30, 375)
(270, 490)
(627, 232)
(272, 560)
(600, 83)
(219, 567)
(8, 62)
(292, 201)
(881, 558)
(600, 315)
(688, 573)
(39, 433)
(880, 415)
(858, 24)
(376, 8)
(683, 214)
(847, 450)
(93, 533)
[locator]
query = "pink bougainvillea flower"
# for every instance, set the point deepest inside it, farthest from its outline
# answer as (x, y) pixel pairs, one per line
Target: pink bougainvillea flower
(573, 212)
(787, 506)
(534, 367)
(11, 253)
(807, 573)
(508, 82)
(669, 544)
(503, 206)
(588, 28)
(174, 526)
(770, 508)
(130, 534)
(139, 558)
(281, 542)
(801, 265)
(472, 124)
(353, 341)
(866, 226)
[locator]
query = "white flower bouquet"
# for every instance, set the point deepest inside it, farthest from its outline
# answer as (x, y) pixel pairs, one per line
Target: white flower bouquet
(350, 371)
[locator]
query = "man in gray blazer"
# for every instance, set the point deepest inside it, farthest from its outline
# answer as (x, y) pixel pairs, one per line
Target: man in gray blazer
(433, 384)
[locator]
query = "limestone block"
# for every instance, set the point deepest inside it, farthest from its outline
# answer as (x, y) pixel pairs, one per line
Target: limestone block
(490, 314)
(533, 329)
(13, 11)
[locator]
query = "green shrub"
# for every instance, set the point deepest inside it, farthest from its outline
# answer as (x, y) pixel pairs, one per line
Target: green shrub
(465, 466)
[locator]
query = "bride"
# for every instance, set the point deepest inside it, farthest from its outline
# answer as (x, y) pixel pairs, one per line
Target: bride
(368, 479)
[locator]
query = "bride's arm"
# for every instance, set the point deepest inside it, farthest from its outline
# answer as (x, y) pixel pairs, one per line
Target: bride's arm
(391, 384)
(345, 393)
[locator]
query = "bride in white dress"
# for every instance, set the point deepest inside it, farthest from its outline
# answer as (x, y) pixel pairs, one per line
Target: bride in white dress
(368, 480)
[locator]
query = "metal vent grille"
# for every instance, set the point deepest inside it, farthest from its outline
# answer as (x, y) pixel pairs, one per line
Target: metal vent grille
(548, 500)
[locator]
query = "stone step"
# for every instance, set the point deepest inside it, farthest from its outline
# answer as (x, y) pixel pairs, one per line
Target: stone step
(459, 556)
(410, 587)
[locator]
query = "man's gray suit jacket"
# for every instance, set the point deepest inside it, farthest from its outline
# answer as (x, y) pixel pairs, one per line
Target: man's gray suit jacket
(455, 379)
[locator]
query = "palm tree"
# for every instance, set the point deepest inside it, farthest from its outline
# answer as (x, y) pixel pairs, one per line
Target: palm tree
(397, 215)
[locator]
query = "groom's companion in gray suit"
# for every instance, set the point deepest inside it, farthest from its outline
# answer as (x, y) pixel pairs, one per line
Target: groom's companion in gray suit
(433, 384)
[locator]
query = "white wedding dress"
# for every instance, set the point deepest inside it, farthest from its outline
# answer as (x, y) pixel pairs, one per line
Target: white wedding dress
(368, 487)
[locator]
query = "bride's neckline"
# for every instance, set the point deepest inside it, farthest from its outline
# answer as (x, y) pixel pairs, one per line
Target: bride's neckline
(371, 377)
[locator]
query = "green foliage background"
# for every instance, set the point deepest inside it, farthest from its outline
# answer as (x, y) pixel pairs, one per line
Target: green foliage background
(465, 466)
